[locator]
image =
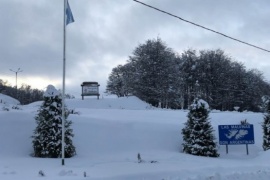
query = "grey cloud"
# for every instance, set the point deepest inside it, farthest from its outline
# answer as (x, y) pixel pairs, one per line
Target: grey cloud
(106, 32)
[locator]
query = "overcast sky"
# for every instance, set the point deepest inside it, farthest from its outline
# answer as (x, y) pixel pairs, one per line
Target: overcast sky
(105, 33)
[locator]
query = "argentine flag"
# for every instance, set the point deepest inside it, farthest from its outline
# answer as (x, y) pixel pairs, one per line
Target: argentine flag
(69, 16)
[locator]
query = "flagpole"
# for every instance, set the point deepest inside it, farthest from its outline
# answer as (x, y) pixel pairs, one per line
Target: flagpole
(63, 86)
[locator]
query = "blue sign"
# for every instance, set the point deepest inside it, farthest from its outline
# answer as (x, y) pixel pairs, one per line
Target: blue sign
(236, 134)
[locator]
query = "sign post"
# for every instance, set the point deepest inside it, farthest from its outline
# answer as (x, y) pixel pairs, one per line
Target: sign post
(236, 135)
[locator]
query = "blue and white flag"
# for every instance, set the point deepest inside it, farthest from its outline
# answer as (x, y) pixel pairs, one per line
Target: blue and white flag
(69, 16)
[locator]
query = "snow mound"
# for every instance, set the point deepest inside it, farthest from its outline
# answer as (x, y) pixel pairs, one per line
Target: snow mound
(4, 99)
(130, 102)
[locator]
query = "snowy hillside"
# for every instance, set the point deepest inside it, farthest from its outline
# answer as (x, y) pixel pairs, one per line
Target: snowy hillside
(109, 133)
(130, 103)
(4, 99)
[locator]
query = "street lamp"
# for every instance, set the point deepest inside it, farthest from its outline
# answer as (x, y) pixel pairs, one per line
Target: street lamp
(16, 72)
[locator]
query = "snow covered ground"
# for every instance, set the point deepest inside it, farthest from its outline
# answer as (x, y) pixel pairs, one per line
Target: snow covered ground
(110, 132)
(7, 100)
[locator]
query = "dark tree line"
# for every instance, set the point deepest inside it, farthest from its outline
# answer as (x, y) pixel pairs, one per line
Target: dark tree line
(25, 94)
(161, 77)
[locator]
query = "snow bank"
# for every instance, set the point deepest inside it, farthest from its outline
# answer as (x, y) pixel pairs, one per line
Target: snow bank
(108, 139)
(4, 99)
(130, 102)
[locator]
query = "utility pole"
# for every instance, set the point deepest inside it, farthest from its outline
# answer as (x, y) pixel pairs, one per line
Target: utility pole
(16, 72)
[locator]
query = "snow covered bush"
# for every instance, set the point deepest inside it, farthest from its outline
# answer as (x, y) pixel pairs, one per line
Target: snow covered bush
(16, 107)
(266, 129)
(73, 111)
(198, 133)
(41, 173)
(5, 108)
(47, 138)
(244, 122)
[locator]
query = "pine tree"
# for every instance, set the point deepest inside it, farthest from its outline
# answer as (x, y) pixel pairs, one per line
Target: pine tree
(198, 133)
(47, 138)
(266, 129)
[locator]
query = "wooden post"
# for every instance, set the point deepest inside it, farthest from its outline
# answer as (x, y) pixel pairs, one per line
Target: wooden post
(82, 91)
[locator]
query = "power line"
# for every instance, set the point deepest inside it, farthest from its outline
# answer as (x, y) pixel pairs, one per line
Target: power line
(202, 26)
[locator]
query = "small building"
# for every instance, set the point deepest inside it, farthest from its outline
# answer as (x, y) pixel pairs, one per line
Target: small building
(90, 89)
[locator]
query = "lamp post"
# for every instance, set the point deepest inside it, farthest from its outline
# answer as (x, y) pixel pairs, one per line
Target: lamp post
(16, 72)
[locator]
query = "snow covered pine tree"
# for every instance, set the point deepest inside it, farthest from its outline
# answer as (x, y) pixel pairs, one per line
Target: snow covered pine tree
(47, 138)
(266, 128)
(198, 133)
